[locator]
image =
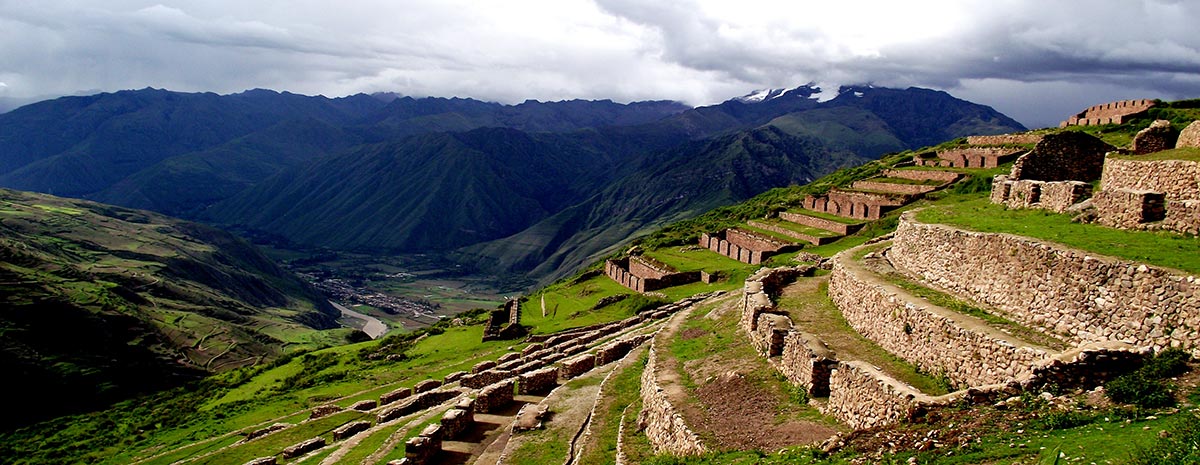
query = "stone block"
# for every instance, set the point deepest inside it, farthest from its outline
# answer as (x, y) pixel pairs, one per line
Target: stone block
(350, 429)
(427, 385)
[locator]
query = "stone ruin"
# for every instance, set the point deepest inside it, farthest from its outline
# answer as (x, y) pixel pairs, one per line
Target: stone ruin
(1149, 194)
(1005, 139)
(1156, 138)
(853, 204)
(1064, 156)
(1118, 112)
(744, 245)
(350, 429)
(505, 322)
(304, 447)
(968, 157)
(645, 274)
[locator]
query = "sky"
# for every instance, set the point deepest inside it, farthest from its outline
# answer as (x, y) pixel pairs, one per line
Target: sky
(1038, 60)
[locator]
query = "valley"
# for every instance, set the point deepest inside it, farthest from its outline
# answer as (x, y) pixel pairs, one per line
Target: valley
(888, 311)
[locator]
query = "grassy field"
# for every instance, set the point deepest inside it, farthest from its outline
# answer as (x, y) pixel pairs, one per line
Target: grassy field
(1164, 249)
(1186, 154)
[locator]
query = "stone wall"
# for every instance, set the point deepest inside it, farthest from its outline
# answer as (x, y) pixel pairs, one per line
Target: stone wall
(1109, 113)
(820, 223)
(483, 378)
(911, 189)
(395, 395)
(721, 243)
(427, 385)
(1128, 208)
(1065, 156)
(1177, 179)
(972, 157)
(863, 397)
(1183, 216)
(920, 333)
(769, 334)
(538, 381)
(1056, 196)
(350, 429)
(925, 175)
(1080, 296)
(643, 274)
(456, 421)
(304, 447)
(814, 240)
(1005, 139)
(495, 397)
(1156, 138)
(577, 366)
(806, 362)
(663, 426)
(858, 205)
(417, 403)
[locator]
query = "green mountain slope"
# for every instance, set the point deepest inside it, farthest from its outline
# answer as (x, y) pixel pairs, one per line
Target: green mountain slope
(101, 303)
(677, 184)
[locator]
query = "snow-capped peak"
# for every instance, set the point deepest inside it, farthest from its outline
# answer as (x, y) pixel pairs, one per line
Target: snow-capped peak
(766, 94)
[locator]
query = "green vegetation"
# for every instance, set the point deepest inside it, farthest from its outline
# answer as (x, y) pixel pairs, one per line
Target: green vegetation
(1157, 248)
(1146, 387)
(812, 311)
(1185, 154)
(1177, 447)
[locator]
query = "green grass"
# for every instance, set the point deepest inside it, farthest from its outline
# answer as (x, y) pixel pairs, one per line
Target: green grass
(1157, 248)
(815, 313)
(916, 182)
(788, 225)
(571, 305)
(1185, 154)
(827, 216)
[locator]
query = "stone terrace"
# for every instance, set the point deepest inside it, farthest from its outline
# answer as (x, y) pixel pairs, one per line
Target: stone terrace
(645, 274)
(744, 245)
(1109, 113)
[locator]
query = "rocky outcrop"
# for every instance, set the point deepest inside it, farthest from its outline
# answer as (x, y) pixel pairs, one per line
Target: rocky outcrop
(1190, 136)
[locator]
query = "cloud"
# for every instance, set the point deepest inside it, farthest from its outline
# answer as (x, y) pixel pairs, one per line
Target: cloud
(696, 51)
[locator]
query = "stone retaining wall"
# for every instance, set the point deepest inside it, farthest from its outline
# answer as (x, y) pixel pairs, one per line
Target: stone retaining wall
(1081, 296)
(427, 385)
(720, 243)
(820, 223)
(663, 426)
(806, 362)
(1117, 112)
(911, 189)
(483, 379)
(850, 204)
(1005, 139)
(1056, 196)
(935, 339)
(538, 381)
(970, 157)
(814, 240)
(1177, 179)
(577, 366)
(1128, 208)
(641, 275)
(495, 397)
(863, 397)
(456, 421)
(417, 403)
(304, 447)
(350, 429)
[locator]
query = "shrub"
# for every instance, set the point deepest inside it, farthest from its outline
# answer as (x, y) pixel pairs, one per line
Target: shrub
(1059, 419)
(1176, 448)
(1138, 389)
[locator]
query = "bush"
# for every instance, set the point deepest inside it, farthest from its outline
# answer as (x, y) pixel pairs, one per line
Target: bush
(1059, 419)
(1138, 389)
(1176, 448)
(1168, 363)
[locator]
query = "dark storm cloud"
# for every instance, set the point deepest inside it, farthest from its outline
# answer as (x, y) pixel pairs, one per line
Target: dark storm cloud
(1037, 61)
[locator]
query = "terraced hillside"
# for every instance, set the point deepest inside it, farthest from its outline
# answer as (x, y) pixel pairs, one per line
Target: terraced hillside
(101, 303)
(888, 313)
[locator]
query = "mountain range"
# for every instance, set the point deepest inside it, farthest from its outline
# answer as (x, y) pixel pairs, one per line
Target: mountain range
(535, 188)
